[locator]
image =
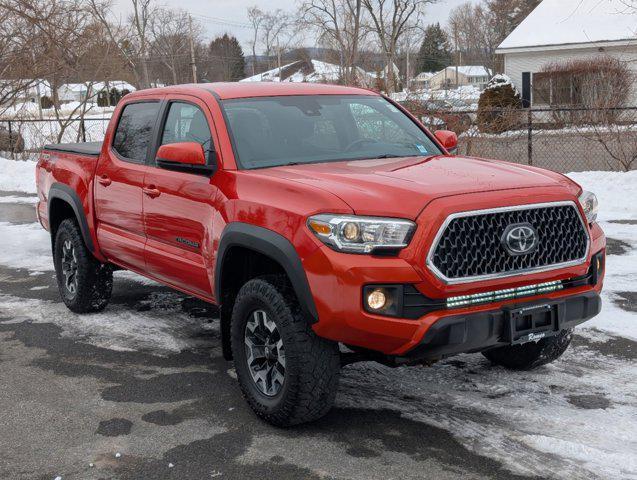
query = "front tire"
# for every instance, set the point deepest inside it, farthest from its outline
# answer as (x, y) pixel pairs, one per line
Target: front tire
(287, 374)
(85, 284)
(533, 354)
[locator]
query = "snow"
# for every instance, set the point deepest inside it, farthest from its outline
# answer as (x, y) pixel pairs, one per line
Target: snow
(17, 176)
(470, 70)
(559, 22)
(528, 421)
(320, 72)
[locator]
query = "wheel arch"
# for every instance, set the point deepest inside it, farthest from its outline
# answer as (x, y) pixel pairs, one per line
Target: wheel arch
(262, 251)
(62, 201)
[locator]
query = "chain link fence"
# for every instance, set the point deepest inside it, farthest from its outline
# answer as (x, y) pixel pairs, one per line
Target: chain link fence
(22, 139)
(560, 139)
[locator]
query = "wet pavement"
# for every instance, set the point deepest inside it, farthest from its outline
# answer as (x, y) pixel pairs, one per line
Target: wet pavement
(82, 397)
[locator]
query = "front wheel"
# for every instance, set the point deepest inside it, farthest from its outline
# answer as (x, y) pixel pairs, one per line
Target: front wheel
(531, 355)
(287, 374)
(85, 284)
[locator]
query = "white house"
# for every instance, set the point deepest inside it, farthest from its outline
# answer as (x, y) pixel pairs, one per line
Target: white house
(462, 75)
(77, 92)
(562, 30)
(421, 81)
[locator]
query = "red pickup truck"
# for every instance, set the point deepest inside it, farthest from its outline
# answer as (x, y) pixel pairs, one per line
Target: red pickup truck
(329, 226)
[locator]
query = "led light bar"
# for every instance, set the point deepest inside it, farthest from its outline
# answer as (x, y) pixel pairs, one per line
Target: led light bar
(499, 295)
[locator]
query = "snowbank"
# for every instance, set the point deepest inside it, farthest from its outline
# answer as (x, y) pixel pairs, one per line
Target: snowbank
(17, 176)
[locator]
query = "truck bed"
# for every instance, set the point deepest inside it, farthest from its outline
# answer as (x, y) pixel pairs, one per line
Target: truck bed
(82, 148)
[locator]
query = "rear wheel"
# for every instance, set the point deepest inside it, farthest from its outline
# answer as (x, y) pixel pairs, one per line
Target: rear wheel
(287, 374)
(85, 284)
(531, 355)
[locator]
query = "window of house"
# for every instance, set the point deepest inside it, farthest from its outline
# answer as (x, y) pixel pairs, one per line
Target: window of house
(134, 130)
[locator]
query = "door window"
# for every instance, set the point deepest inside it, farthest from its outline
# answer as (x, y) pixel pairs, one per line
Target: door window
(187, 123)
(134, 130)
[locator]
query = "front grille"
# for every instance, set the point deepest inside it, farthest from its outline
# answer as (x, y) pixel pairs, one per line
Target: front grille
(469, 245)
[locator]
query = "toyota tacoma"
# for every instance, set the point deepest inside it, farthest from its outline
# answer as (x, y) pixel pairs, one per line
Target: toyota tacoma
(328, 226)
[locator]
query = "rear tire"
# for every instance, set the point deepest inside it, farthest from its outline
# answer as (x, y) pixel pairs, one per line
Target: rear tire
(531, 355)
(293, 379)
(85, 284)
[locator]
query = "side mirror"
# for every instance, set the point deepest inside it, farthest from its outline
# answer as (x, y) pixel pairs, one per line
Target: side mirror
(448, 139)
(186, 157)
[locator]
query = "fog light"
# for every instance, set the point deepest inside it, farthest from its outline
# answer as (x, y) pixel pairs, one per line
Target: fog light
(376, 299)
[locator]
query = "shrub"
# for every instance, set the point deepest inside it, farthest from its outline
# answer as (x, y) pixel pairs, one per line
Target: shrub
(595, 86)
(46, 102)
(499, 106)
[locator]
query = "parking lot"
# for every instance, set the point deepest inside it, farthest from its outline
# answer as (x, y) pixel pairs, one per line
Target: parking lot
(141, 391)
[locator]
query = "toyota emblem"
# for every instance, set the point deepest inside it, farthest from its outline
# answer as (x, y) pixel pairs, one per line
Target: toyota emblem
(520, 239)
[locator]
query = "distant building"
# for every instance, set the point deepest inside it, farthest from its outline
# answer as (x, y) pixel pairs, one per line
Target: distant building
(78, 92)
(563, 30)
(421, 81)
(309, 71)
(26, 90)
(460, 76)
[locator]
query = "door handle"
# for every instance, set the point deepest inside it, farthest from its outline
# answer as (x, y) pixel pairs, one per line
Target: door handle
(104, 180)
(151, 191)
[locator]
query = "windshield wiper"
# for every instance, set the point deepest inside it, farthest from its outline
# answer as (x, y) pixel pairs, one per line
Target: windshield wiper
(389, 155)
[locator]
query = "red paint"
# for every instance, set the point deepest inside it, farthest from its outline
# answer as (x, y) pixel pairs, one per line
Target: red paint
(448, 139)
(167, 224)
(188, 153)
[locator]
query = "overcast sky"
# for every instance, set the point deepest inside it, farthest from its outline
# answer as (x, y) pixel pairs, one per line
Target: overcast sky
(220, 16)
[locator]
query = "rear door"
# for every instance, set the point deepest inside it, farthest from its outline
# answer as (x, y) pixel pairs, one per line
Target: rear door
(178, 206)
(119, 181)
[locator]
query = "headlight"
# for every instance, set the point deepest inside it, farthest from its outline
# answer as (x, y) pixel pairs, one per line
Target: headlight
(349, 233)
(588, 200)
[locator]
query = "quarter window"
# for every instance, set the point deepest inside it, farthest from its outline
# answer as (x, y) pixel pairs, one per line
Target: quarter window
(134, 130)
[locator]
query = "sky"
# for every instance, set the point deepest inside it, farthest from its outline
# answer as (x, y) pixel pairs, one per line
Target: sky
(221, 16)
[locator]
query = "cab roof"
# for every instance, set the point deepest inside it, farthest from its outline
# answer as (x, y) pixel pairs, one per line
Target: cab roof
(228, 90)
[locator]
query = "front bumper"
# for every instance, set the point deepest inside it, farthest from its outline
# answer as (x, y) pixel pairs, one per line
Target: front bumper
(474, 332)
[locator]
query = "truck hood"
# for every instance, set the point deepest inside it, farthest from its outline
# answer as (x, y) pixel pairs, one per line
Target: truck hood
(402, 187)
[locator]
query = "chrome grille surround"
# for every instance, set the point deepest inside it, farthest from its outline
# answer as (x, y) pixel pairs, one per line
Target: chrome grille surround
(523, 271)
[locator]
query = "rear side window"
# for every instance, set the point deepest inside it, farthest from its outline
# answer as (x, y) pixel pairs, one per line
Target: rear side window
(187, 123)
(134, 130)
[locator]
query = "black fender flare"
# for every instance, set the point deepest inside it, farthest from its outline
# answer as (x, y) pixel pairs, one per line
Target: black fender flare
(68, 195)
(274, 246)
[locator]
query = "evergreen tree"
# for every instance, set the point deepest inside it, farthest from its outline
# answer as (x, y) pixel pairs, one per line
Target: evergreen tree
(435, 52)
(227, 63)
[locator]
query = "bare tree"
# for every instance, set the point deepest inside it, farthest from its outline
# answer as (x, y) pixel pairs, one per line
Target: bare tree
(131, 37)
(340, 25)
(473, 28)
(391, 19)
(278, 30)
(256, 17)
(169, 45)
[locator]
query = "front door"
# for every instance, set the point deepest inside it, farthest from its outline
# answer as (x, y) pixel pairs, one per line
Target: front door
(118, 184)
(178, 206)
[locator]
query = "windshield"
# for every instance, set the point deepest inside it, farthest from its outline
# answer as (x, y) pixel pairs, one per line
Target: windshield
(286, 130)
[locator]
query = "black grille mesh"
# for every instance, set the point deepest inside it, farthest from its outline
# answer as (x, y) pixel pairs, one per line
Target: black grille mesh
(471, 246)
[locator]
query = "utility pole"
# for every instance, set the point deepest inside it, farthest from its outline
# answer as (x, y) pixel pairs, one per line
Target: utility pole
(192, 51)
(457, 58)
(278, 58)
(408, 79)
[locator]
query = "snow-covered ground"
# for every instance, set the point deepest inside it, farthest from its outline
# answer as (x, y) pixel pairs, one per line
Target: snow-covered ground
(575, 418)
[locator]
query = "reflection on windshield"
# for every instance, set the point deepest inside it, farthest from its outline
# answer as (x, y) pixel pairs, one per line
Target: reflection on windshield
(272, 131)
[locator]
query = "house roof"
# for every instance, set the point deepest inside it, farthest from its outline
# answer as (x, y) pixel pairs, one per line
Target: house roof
(424, 75)
(572, 22)
(97, 86)
(469, 70)
(302, 71)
